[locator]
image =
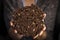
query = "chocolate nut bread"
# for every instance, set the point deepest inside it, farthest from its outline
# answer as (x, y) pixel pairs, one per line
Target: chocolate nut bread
(27, 21)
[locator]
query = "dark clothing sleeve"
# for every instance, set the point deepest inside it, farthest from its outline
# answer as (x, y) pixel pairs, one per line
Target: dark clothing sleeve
(50, 8)
(9, 6)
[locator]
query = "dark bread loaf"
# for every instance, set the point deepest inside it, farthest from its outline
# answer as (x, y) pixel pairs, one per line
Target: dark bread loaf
(26, 21)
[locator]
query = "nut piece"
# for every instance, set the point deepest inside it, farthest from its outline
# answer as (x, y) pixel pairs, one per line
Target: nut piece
(34, 29)
(33, 23)
(28, 26)
(15, 31)
(44, 15)
(18, 14)
(11, 23)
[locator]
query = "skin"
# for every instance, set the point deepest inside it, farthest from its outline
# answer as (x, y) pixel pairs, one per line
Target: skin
(29, 2)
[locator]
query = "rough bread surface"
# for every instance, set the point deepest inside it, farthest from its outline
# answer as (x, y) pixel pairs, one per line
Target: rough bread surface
(26, 21)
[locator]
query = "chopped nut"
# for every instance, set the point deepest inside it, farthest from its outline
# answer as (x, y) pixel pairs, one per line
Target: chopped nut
(33, 10)
(43, 20)
(15, 31)
(33, 23)
(41, 24)
(34, 29)
(11, 23)
(18, 14)
(44, 15)
(28, 26)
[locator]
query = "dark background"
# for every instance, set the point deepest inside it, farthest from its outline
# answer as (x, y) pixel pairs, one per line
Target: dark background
(3, 30)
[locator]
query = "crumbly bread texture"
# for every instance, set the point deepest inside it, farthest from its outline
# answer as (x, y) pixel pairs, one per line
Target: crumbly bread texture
(26, 21)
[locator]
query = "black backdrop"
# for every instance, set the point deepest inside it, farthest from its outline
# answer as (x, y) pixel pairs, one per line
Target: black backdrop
(57, 24)
(2, 24)
(3, 29)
